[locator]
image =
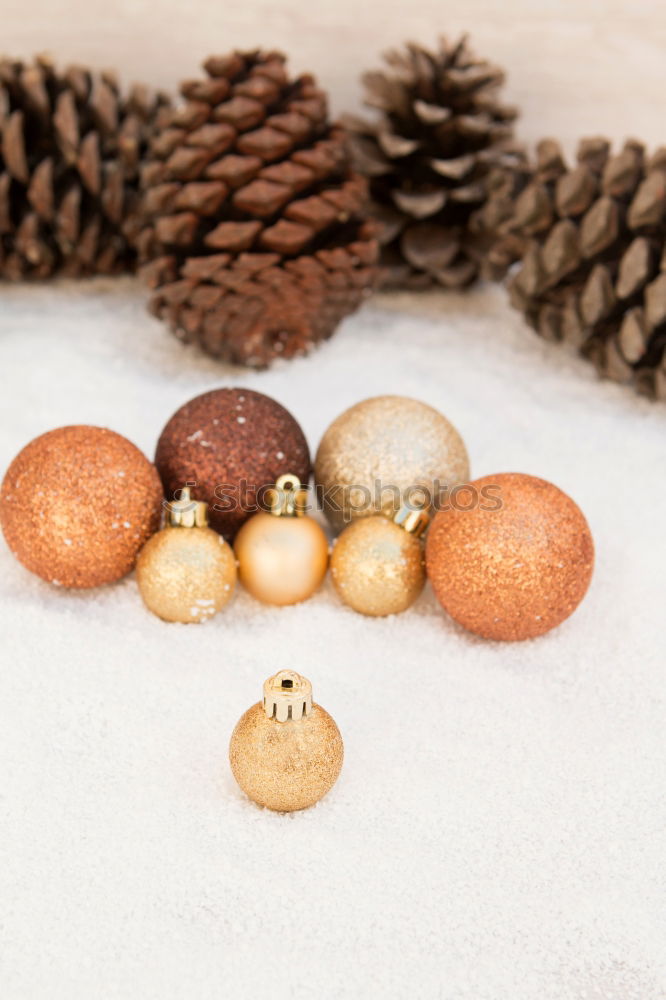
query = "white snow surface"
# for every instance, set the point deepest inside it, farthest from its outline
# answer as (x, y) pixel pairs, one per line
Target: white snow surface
(498, 830)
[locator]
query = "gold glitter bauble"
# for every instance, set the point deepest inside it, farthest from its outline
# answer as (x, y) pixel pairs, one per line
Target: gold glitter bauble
(282, 555)
(186, 572)
(377, 566)
(286, 752)
(375, 453)
(77, 504)
(516, 562)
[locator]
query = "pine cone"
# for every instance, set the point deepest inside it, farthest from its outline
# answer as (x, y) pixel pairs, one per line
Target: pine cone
(594, 273)
(442, 134)
(70, 151)
(257, 231)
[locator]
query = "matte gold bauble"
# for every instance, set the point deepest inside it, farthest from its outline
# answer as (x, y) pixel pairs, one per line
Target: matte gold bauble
(377, 564)
(373, 456)
(512, 559)
(286, 752)
(186, 572)
(282, 555)
(77, 504)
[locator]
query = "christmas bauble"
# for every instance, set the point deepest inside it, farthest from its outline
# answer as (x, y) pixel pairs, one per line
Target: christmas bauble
(377, 452)
(186, 572)
(512, 558)
(377, 564)
(77, 504)
(282, 554)
(286, 752)
(229, 445)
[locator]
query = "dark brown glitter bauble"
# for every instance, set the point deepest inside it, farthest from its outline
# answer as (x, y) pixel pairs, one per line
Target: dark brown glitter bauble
(511, 557)
(229, 445)
(78, 503)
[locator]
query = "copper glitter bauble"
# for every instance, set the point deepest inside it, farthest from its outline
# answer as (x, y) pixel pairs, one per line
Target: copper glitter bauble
(286, 752)
(377, 566)
(186, 572)
(77, 504)
(515, 562)
(229, 445)
(374, 454)
(282, 554)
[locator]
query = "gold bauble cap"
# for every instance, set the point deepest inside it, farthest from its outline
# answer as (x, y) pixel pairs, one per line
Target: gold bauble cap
(186, 512)
(288, 498)
(413, 517)
(287, 696)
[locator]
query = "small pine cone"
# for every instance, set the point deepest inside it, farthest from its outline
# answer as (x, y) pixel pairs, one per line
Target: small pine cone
(594, 272)
(256, 235)
(441, 139)
(70, 151)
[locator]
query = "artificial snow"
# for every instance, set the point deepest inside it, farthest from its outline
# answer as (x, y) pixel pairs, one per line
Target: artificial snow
(497, 832)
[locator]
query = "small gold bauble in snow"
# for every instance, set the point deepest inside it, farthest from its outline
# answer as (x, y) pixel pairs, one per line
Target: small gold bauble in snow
(282, 555)
(286, 752)
(377, 564)
(186, 572)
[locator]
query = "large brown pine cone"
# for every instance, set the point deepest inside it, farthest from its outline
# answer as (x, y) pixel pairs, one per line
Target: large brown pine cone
(70, 149)
(257, 231)
(441, 135)
(594, 273)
